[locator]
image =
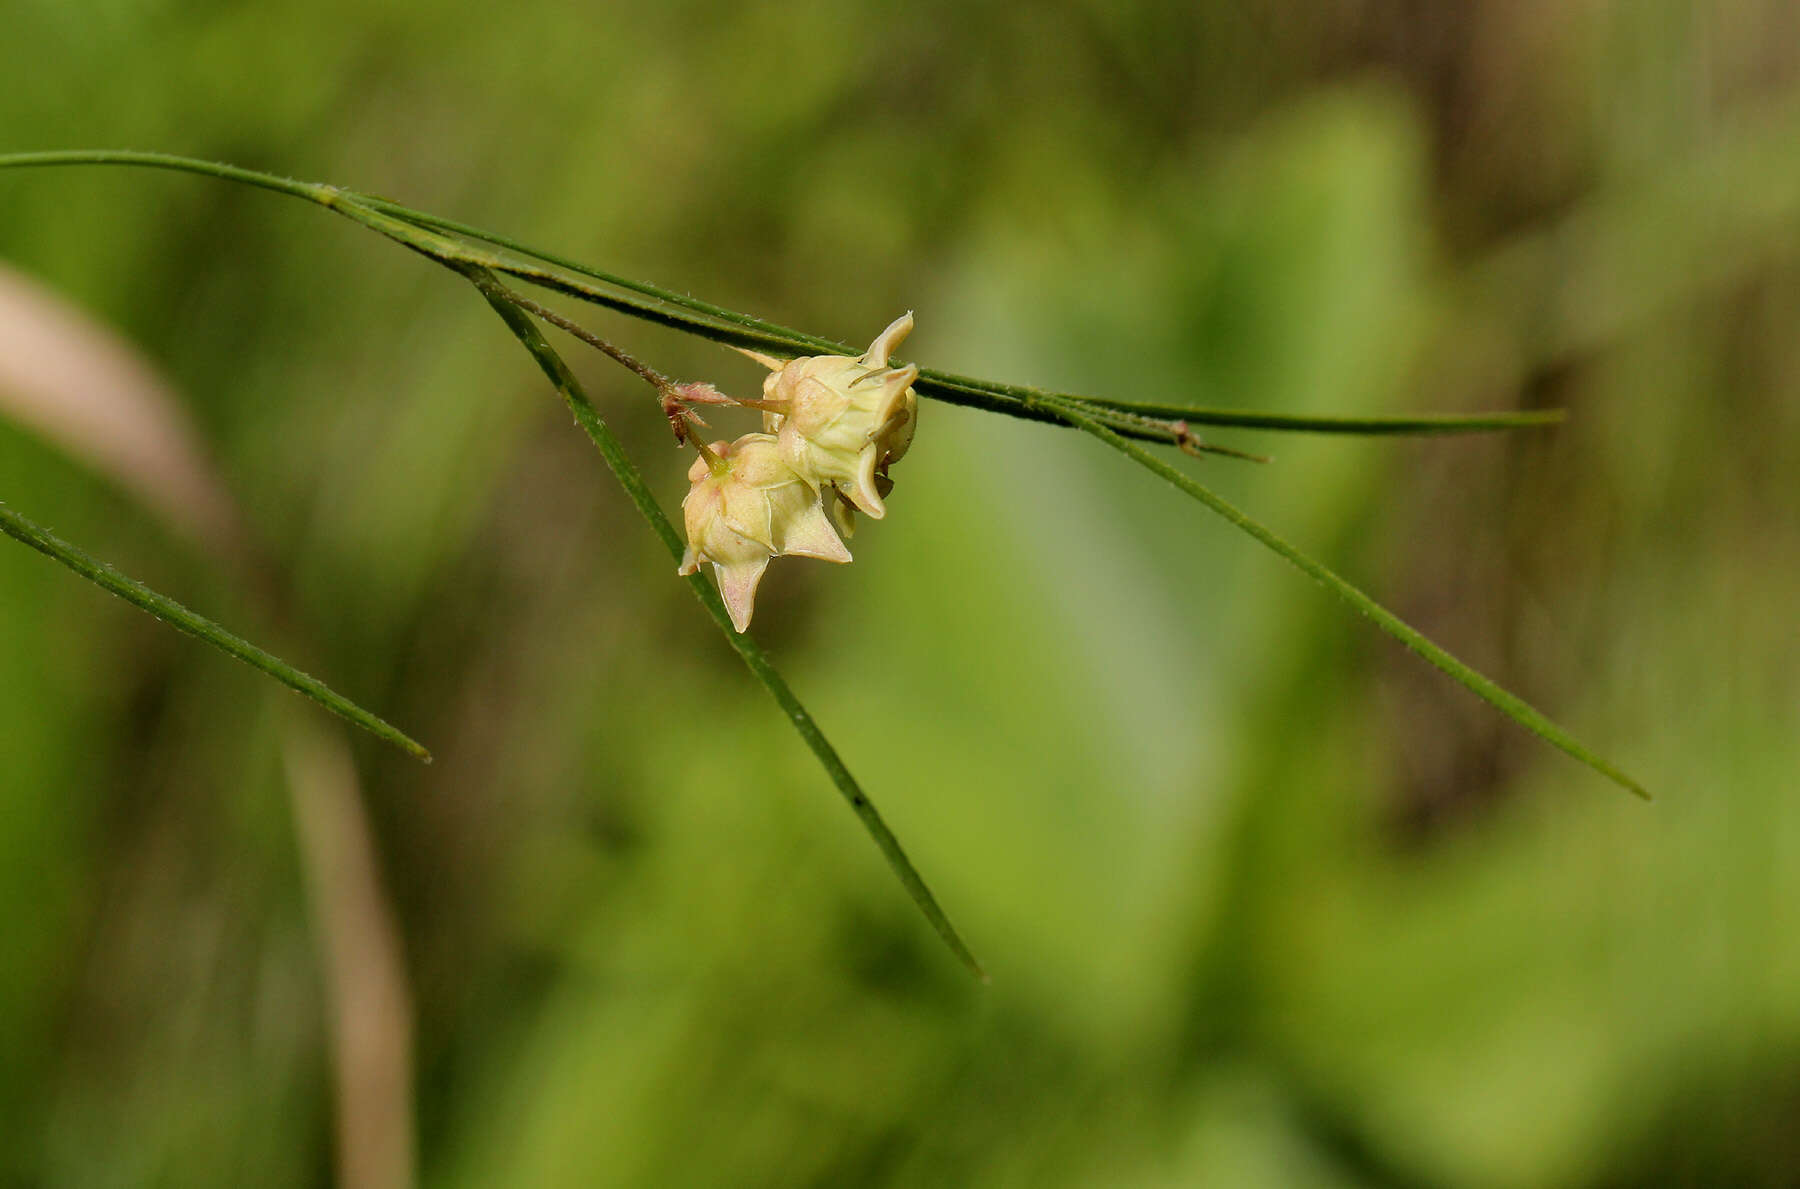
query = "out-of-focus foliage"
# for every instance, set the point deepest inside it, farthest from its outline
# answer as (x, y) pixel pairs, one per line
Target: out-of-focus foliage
(1266, 901)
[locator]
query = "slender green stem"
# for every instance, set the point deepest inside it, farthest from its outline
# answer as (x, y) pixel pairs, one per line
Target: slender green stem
(772, 333)
(940, 383)
(431, 237)
(1507, 703)
(1143, 422)
(312, 191)
(198, 626)
(744, 330)
(518, 319)
(1421, 423)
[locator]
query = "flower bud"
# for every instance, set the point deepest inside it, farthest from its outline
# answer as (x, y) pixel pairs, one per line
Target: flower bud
(844, 419)
(746, 506)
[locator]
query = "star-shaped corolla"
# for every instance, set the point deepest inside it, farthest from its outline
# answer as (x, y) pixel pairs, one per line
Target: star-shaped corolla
(843, 419)
(745, 507)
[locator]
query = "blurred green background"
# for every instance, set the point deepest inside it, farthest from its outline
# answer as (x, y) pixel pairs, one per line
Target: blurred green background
(1266, 900)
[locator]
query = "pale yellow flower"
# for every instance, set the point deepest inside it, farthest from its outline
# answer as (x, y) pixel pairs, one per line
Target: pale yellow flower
(843, 419)
(745, 507)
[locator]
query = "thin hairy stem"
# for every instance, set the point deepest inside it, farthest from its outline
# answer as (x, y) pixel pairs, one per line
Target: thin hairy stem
(618, 354)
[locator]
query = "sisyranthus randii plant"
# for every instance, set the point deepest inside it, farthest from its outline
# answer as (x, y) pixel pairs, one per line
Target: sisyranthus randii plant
(833, 423)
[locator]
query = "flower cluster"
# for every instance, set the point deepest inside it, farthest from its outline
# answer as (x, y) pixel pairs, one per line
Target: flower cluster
(833, 424)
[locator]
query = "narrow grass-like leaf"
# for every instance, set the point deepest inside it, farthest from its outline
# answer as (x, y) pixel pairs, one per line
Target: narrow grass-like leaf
(1507, 703)
(613, 452)
(198, 626)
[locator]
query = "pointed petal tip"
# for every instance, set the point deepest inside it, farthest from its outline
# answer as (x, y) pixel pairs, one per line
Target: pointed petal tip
(737, 587)
(867, 500)
(885, 342)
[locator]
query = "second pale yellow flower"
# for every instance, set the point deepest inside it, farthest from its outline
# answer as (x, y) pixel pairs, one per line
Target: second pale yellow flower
(746, 506)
